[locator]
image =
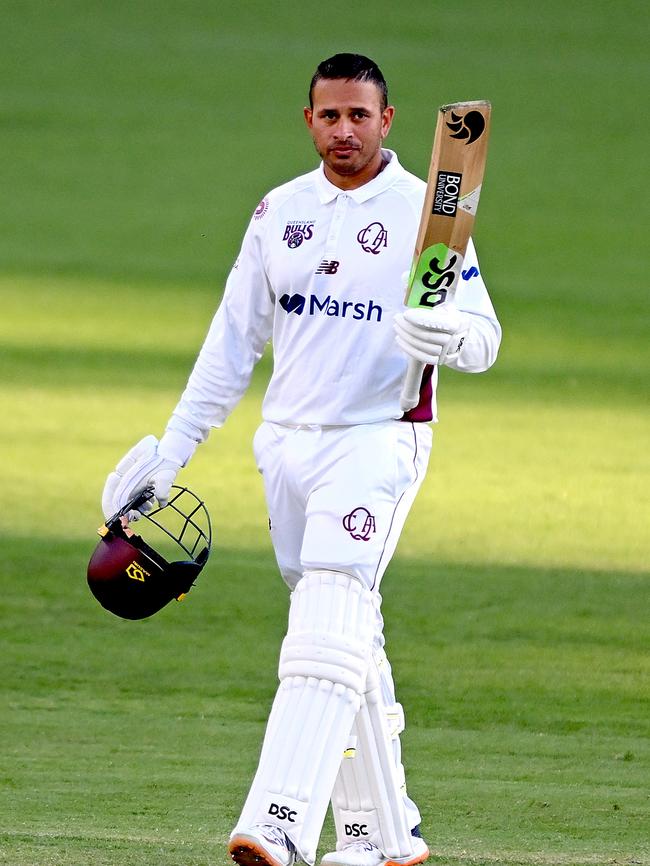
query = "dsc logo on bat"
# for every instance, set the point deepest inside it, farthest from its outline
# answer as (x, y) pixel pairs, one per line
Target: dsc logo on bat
(436, 271)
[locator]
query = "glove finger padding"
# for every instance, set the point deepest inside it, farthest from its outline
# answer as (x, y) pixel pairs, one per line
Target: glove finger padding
(143, 449)
(431, 336)
(426, 353)
(108, 494)
(444, 319)
(141, 467)
(162, 483)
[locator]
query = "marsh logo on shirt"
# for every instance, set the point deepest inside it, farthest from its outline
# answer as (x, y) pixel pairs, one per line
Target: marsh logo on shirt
(297, 232)
(333, 307)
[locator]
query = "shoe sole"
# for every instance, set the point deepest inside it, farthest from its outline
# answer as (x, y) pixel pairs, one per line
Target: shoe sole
(420, 858)
(248, 852)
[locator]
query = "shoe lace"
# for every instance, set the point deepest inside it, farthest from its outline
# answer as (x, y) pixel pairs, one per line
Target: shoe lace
(362, 845)
(276, 835)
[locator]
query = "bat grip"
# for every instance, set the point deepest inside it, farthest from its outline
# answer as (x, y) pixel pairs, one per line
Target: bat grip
(410, 396)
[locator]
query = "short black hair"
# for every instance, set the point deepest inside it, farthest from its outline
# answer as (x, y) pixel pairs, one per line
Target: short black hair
(352, 66)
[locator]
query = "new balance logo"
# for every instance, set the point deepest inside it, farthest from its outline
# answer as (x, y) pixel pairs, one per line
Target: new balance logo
(328, 266)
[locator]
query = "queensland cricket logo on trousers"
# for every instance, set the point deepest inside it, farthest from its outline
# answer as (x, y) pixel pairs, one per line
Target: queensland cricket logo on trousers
(360, 523)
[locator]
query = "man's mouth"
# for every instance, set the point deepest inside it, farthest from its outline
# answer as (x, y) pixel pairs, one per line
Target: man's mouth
(343, 149)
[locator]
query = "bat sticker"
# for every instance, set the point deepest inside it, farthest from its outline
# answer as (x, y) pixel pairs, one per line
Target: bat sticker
(435, 273)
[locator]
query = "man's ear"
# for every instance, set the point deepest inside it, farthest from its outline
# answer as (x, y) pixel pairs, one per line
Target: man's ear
(308, 114)
(387, 116)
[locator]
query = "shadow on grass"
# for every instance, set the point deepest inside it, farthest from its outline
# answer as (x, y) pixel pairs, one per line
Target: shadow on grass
(525, 692)
(565, 380)
(534, 647)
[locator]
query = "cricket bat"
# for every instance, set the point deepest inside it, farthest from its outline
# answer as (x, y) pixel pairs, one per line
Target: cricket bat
(450, 203)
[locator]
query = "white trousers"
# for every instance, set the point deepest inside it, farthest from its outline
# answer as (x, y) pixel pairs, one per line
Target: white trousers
(338, 497)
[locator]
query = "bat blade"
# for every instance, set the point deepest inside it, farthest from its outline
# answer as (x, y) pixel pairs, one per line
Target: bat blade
(450, 203)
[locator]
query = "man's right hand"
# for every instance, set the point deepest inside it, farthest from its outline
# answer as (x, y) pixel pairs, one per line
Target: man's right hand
(150, 463)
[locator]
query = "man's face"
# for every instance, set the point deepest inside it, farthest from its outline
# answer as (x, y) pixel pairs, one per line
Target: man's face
(348, 127)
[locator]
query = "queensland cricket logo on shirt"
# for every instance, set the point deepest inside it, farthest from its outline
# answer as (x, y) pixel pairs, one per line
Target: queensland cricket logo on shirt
(373, 238)
(297, 232)
(360, 523)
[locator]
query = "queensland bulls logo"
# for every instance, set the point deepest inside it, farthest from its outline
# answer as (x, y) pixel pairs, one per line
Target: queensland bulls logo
(360, 523)
(297, 232)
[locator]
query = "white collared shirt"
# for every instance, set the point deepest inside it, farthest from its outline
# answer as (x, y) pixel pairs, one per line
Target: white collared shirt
(321, 273)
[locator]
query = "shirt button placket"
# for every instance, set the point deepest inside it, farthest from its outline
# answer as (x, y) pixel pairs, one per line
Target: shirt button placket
(329, 262)
(338, 218)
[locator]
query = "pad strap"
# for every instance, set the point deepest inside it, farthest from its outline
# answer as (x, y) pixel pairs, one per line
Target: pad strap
(369, 801)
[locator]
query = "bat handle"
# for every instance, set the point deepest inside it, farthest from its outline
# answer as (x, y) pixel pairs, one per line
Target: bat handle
(410, 396)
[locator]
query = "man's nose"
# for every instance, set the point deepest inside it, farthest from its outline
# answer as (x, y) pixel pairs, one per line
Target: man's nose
(344, 128)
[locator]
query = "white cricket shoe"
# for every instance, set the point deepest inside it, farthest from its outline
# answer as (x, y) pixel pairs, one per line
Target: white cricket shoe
(262, 845)
(367, 854)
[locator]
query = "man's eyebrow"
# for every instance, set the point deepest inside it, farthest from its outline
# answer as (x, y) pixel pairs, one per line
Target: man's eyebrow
(363, 108)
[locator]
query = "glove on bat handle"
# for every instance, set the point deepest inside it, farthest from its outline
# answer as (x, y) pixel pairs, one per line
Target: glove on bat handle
(410, 396)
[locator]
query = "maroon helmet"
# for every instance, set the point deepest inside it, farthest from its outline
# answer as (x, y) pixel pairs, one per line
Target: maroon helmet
(131, 579)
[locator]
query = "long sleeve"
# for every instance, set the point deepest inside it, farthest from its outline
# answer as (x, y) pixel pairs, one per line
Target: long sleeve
(482, 343)
(235, 342)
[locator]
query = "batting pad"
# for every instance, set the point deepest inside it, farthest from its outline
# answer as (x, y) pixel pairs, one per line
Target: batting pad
(369, 798)
(323, 668)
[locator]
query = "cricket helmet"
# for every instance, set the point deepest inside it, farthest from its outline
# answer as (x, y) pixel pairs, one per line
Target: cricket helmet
(133, 579)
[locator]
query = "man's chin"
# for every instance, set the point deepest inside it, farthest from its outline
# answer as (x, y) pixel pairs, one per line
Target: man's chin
(344, 165)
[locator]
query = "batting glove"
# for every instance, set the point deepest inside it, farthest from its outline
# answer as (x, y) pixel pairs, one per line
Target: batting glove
(431, 336)
(150, 463)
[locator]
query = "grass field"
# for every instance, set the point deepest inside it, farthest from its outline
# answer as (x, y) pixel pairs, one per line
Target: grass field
(137, 139)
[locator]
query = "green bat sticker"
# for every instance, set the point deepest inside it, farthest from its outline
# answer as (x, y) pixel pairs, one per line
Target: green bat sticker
(433, 275)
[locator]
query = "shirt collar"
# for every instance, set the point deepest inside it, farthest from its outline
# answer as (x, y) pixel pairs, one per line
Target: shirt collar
(327, 191)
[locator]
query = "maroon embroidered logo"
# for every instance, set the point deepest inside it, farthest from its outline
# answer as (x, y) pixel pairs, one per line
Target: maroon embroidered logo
(360, 523)
(373, 238)
(261, 209)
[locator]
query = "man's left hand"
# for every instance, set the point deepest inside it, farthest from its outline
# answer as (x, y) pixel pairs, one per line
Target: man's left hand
(431, 336)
